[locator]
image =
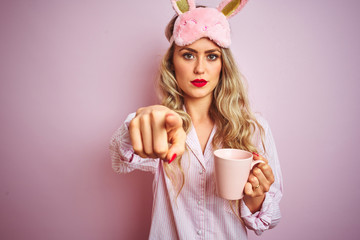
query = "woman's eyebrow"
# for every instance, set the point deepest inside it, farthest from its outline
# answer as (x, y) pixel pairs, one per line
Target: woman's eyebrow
(194, 51)
(188, 49)
(213, 50)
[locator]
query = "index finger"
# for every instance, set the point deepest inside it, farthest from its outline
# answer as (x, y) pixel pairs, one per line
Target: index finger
(172, 122)
(257, 156)
(177, 141)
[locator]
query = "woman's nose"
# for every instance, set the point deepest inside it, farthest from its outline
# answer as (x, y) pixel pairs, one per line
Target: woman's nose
(199, 67)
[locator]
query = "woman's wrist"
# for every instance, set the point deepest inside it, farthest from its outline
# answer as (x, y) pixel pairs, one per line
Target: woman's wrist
(254, 203)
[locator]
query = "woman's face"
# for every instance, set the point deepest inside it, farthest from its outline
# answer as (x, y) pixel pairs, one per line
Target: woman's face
(197, 68)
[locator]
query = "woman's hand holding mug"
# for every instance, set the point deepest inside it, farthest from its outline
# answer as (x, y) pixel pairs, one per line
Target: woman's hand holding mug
(259, 182)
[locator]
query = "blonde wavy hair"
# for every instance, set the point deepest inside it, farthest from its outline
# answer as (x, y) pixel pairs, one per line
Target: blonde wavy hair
(230, 108)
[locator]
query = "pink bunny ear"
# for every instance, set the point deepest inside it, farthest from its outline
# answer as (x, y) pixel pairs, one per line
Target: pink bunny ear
(231, 7)
(182, 6)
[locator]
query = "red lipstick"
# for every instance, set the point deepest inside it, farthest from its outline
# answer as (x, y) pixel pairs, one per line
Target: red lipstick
(199, 82)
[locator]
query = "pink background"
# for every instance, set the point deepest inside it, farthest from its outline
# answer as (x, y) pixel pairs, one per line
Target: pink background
(71, 71)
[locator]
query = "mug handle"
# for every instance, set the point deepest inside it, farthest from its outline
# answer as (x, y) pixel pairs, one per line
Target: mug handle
(256, 162)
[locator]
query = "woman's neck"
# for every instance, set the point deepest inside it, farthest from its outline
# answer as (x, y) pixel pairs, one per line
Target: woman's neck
(198, 109)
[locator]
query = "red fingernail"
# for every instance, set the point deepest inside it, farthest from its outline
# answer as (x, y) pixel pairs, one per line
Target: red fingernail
(255, 154)
(172, 158)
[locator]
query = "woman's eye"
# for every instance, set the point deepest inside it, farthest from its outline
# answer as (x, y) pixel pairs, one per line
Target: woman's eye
(188, 56)
(213, 57)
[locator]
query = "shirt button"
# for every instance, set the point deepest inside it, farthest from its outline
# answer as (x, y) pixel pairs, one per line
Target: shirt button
(199, 202)
(201, 171)
(199, 232)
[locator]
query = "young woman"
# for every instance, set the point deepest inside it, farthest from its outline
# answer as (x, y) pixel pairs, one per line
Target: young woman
(204, 107)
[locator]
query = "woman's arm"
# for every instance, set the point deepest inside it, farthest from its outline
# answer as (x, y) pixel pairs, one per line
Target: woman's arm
(263, 211)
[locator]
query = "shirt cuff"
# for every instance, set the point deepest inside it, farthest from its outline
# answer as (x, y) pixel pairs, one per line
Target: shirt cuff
(260, 220)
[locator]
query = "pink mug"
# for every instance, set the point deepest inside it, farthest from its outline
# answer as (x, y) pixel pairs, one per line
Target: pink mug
(232, 169)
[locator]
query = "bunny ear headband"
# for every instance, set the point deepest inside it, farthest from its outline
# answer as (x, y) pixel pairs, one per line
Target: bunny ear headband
(195, 23)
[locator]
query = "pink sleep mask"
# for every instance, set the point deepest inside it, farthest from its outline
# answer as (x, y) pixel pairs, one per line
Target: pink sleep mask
(195, 23)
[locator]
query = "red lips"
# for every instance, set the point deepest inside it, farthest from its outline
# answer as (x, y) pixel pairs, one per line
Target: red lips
(199, 82)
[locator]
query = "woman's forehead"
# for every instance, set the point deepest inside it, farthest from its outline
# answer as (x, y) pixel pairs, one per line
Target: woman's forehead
(200, 45)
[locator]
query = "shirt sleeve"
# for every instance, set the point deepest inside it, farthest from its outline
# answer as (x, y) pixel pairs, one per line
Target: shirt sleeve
(122, 155)
(269, 215)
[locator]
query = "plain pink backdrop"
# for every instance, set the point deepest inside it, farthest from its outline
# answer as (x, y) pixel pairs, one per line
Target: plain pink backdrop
(71, 71)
